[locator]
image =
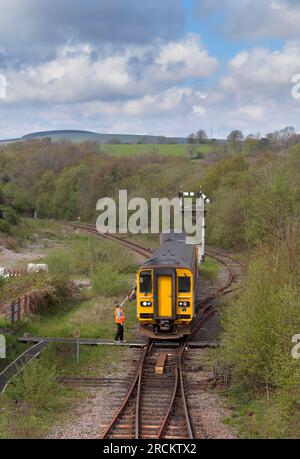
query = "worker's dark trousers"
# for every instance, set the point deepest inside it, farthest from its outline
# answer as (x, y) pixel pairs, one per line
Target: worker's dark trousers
(120, 333)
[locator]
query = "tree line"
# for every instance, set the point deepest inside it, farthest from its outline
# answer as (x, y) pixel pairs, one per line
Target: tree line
(280, 139)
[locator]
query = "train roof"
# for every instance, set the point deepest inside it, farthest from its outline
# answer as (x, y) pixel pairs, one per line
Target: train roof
(173, 251)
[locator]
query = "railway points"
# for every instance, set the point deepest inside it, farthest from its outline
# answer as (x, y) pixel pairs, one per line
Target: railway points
(156, 406)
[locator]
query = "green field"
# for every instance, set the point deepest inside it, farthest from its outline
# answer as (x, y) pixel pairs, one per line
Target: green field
(135, 149)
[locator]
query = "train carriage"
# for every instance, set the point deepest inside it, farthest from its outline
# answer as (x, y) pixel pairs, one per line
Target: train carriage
(166, 288)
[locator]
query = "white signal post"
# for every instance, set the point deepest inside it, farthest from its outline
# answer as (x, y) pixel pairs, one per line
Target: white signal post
(203, 200)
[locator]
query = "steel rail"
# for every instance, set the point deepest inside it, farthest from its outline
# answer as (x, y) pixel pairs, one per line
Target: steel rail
(120, 410)
(138, 404)
(167, 415)
(179, 380)
(136, 380)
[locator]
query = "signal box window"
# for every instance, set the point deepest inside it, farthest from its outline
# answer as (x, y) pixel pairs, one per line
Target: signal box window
(184, 284)
(145, 282)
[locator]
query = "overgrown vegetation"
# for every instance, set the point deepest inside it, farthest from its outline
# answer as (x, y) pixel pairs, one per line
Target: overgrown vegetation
(29, 408)
(261, 213)
(64, 181)
(8, 219)
(210, 268)
(104, 262)
(254, 189)
(14, 287)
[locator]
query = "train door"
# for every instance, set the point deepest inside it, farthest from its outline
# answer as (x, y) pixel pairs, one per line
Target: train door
(165, 300)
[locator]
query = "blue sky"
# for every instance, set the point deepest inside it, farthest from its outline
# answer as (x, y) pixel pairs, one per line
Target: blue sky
(151, 67)
(219, 44)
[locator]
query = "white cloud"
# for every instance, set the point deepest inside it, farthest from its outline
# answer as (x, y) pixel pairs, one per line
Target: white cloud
(187, 57)
(255, 94)
(175, 100)
(77, 73)
(199, 110)
(259, 71)
(253, 111)
(147, 89)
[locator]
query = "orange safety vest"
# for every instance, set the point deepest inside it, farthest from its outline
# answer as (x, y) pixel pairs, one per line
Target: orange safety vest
(119, 316)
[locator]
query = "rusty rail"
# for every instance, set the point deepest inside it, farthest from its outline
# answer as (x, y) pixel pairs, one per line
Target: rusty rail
(179, 386)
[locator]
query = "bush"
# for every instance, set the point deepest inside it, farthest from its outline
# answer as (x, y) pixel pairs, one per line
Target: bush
(210, 268)
(5, 227)
(259, 325)
(11, 216)
(85, 257)
(107, 280)
(36, 385)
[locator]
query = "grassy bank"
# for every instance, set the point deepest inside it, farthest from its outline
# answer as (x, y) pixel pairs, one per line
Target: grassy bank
(28, 408)
(257, 341)
(210, 269)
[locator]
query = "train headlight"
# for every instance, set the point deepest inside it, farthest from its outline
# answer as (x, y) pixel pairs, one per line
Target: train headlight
(146, 303)
(184, 303)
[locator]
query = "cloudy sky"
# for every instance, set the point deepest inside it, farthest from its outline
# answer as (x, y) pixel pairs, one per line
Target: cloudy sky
(165, 67)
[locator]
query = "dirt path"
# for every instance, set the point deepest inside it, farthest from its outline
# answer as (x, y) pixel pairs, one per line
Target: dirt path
(17, 260)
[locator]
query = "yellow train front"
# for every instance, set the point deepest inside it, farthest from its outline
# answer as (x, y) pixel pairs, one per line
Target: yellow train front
(166, 289)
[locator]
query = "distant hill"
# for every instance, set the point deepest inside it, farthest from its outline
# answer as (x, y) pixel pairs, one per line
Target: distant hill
(78, 136)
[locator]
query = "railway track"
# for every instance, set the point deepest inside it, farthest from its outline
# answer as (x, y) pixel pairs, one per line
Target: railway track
(156, 406)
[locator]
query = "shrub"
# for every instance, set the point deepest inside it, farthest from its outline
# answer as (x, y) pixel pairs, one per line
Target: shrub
(5, 227)
(11, 216)
(107, 280)
(259, 325)
(36, 385)
(209, 268)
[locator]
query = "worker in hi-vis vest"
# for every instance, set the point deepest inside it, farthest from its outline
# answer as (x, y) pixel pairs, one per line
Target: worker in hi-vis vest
(119, 319)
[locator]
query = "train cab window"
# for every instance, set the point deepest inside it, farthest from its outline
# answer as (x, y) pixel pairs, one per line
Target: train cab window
(184, 284)
(145, 282)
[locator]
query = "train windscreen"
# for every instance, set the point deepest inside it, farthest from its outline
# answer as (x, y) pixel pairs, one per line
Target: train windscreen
(184, 284)
(145, 282)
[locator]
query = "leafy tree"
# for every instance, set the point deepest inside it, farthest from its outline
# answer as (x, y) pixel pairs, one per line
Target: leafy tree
(235, 136)
(202, 136)
(192, 139)
(113, 141)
